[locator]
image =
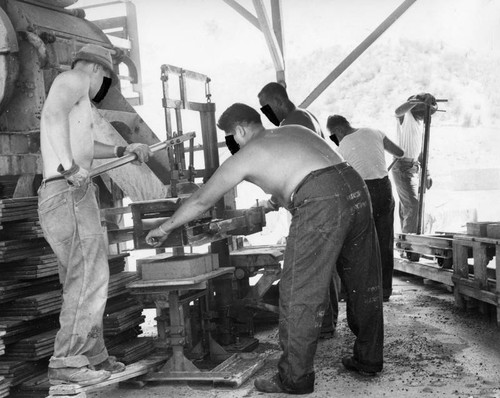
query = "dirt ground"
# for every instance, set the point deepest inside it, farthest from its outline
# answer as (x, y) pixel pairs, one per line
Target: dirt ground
(431, 350)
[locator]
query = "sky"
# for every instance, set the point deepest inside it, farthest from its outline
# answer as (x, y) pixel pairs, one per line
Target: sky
(209, 37)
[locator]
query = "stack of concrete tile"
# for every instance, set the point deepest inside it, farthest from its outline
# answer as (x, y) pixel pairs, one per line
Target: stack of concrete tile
(167, 266)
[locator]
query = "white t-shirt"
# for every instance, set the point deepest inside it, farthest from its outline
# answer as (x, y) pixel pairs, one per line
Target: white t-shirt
(364, 150)
(410, 136)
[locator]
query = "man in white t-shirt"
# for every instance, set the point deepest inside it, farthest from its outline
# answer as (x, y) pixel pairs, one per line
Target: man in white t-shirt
(364, 149)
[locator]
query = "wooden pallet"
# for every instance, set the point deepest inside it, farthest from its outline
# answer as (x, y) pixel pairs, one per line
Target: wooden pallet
(476, 285)
(234, 371)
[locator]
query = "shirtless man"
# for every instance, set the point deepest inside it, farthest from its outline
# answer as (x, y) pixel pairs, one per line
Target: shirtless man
(275, 96)
(331, 224)
(69, 216)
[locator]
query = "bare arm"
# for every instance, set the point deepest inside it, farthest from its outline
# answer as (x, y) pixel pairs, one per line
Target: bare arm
(227, 176)
(392, 148)
(66, 91)
(103, 151)
(402, 109)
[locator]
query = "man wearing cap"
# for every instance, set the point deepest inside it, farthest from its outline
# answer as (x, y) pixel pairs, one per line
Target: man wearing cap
(331, 226)
(406, 171)
(70, 219)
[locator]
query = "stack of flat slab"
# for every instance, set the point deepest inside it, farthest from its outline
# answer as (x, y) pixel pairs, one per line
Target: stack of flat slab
(4, 387)
(17, 372)
(33, 348)
(18, 209)
(34, 306)
(35, 267)
(16, 330)
(122, 315)
(167, 266)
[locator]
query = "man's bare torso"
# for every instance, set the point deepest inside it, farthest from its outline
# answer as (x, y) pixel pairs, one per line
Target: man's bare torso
(282, 157)
(81, 135)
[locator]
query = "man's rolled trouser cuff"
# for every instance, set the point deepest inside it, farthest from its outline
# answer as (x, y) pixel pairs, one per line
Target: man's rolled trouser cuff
(77, 361)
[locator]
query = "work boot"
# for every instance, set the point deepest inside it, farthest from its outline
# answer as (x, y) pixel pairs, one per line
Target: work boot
(111, 365)
(274, 385)
(351, 364)
(83, 376)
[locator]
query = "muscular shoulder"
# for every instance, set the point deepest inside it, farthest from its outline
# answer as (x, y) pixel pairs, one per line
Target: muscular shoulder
(300, 117)
(67, 89)
(71, 81)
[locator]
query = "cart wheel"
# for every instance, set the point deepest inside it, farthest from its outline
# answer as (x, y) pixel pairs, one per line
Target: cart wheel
(412, 256)
(445, 263)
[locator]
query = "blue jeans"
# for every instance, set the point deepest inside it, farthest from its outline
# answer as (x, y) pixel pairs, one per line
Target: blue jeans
(331, 224)
(70, 220)
(406, 177)
(383, 216)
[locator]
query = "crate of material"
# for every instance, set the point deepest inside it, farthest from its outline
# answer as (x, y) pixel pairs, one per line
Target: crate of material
(493, 230)
(476, 282)
(478, 228)
(168, 266)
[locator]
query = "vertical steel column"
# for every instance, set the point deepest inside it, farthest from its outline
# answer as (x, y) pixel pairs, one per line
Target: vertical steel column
(423, 171)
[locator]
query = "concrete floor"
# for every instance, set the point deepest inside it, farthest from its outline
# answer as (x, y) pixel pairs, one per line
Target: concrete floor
(431, 350)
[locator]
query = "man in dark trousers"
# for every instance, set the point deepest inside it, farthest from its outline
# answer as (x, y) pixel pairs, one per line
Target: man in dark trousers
(331, 225)
(276, 105)
(364, 149)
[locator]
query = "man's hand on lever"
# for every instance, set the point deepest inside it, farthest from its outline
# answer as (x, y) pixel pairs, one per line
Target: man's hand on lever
(76, 175)
(268, 205)
(142, 151)
(157, 236)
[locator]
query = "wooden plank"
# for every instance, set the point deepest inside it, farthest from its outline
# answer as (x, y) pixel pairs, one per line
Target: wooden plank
(480, 263)
(179, 283)
(426, 271)
(136, 369)
(460, 237)
(242, 366)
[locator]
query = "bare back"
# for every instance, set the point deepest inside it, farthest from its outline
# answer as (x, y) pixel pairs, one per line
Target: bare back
(66, 127)
(279, 159)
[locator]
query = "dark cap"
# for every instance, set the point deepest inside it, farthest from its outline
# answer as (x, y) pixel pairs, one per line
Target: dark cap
(98, 55)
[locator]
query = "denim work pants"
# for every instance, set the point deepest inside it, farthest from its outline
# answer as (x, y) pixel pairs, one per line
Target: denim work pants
(70, 220)
(331, 224)
(407, 179)
(383, 216)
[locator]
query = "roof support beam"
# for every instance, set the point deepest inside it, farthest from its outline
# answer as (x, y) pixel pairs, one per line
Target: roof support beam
(277, 17)
(271, 40)
(243, 12)
(273, 34)
(357, 52)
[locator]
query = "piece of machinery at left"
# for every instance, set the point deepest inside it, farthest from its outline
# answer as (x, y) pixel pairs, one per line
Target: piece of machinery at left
(38, 40)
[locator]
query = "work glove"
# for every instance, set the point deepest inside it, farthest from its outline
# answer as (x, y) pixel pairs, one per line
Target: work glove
(157, 236)
(142, 151)
(428, 181)
(75, 175)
